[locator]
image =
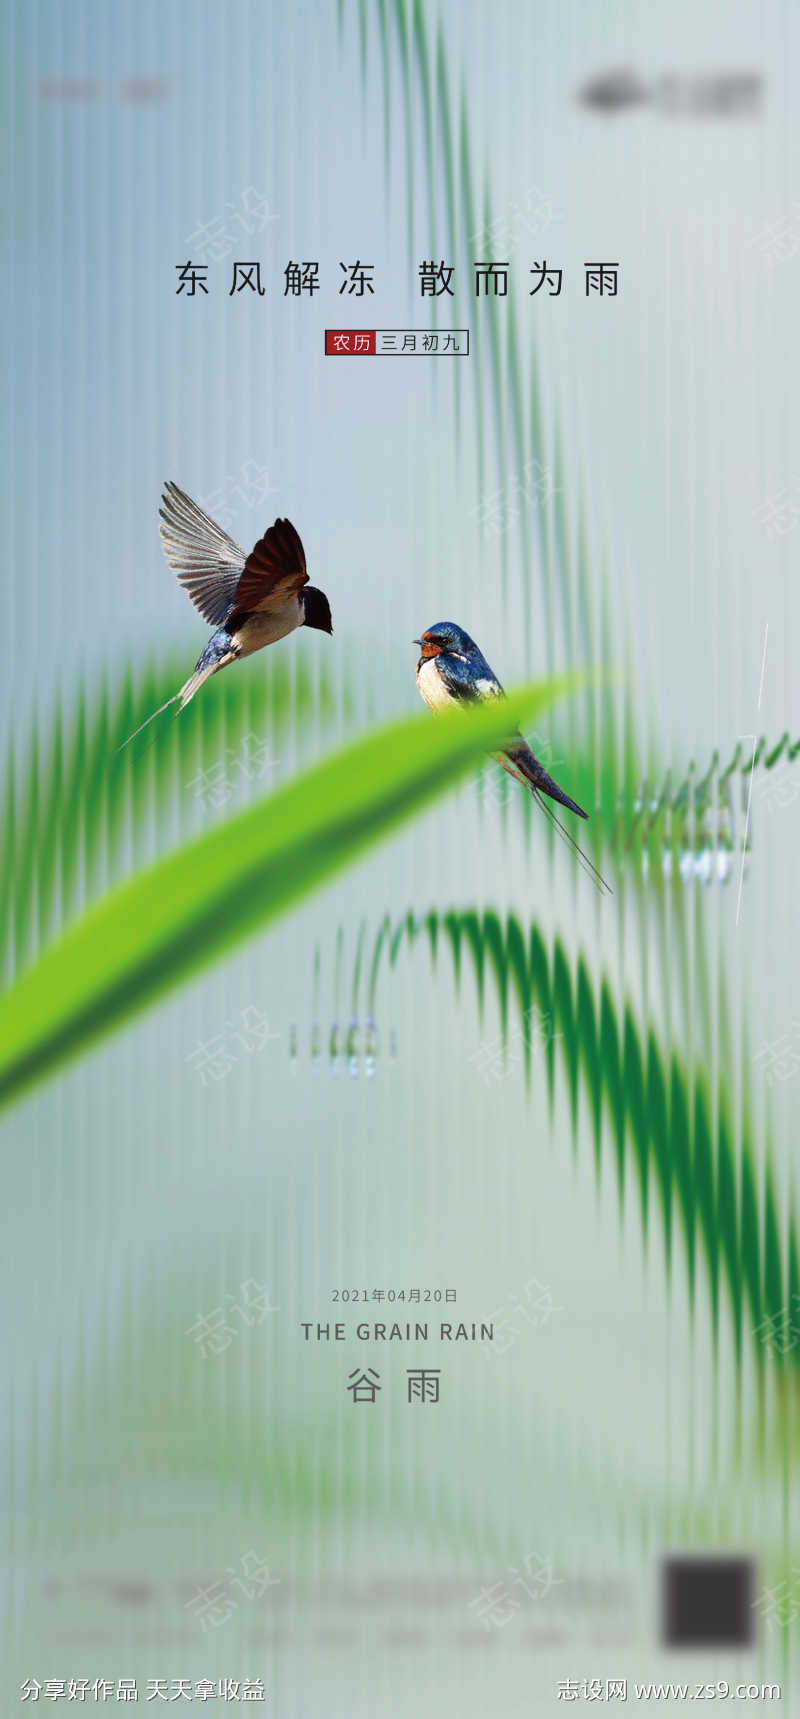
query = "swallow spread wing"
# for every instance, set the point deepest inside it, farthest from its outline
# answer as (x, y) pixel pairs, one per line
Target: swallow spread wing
(274, 570)
(218, 575)
(251, 600)
(208, 563)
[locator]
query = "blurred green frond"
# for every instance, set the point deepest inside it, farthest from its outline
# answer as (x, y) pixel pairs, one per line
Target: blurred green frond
(668, 1125)
(80, 813)
(175, 916)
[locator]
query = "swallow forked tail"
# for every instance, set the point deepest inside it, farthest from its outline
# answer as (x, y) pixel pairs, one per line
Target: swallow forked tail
(186, 694)
(596, 877)
(520, 762)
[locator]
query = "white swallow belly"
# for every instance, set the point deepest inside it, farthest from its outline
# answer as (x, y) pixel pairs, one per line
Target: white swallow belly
(432, 686)
(265, 626)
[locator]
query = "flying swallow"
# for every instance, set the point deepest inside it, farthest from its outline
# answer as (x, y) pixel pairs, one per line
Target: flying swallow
(250, 600)
(453, 670)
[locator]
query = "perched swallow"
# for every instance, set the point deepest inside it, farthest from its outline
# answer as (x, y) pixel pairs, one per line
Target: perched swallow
(250, 600)
(452, 670)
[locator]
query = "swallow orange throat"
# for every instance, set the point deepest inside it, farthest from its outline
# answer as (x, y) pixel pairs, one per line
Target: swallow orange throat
(429, 647)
